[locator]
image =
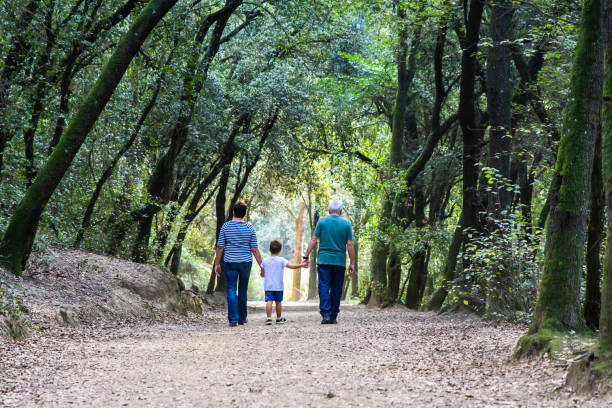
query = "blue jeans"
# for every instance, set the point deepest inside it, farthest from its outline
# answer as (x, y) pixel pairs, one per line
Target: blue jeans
(237, 277)
(331, 280)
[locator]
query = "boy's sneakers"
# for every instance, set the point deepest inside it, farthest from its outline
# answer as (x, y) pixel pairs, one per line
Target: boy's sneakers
(280, 320)
(269, 320)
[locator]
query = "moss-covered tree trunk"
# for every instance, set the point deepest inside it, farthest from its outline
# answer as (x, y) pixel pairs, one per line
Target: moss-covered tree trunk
(595, 230)
(19, 236)
(558, 304)
(605, 318)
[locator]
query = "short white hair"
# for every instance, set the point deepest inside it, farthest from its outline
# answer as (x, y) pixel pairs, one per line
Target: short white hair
(335, 206)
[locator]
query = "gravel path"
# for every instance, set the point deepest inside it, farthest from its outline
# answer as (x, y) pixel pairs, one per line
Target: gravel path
(370, 359)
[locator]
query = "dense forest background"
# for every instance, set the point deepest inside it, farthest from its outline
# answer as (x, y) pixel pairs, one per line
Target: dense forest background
(452, 130)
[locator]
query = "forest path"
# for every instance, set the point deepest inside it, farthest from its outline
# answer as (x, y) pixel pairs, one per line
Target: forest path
(371, 358)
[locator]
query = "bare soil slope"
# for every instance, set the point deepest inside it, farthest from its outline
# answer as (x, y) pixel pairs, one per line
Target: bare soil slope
(370, 359)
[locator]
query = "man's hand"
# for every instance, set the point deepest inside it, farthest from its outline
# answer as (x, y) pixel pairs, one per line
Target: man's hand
(218, 270)
(351, 269)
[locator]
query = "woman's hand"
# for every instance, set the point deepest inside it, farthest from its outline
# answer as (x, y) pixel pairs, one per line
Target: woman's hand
(218, 270)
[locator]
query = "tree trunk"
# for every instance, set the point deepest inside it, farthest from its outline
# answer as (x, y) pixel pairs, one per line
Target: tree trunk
(19, 236)
(558, 305)
(312, 276)
(221, 218)
(470, 126)
(595, 230)
(499, 98)
(378, 259)
(297, 251)
(418, 269)
(605, 318)
(355, 278)
(380, 268)
(448, 273)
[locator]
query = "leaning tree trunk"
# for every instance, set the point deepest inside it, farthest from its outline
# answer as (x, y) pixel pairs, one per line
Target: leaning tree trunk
(595, 230)
(558, 305)
(19, 236)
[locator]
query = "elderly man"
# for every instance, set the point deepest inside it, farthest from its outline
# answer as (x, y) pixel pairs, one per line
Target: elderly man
(336, 236)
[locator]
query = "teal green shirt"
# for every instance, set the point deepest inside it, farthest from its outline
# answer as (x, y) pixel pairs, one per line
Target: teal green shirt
(333, 231)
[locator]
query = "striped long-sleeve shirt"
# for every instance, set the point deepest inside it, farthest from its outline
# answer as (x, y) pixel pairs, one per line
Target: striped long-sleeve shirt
(237, 238)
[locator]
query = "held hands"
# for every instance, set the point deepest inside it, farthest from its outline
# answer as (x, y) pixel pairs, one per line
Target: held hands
(305, 262)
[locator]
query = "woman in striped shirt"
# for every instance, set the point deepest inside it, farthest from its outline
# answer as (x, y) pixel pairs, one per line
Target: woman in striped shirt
(238, 240)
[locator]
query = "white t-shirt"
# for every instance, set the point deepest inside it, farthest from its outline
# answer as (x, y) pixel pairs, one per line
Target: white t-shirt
(274, 268)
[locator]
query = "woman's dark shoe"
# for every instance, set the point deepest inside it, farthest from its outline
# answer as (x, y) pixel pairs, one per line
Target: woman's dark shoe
(232, 324)
(325, 321)
(241, 323)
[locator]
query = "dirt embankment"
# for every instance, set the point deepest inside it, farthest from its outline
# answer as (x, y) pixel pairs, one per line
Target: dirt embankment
(72, 287)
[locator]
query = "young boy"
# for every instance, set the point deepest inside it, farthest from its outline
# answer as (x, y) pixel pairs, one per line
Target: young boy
(272, 270)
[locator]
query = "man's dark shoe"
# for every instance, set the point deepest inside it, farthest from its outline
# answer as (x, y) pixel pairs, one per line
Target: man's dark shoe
(325, 321)
(241, 323)
(232, 324)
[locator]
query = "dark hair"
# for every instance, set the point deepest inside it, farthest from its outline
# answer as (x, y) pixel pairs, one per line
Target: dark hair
(240, 209)
(275, 247)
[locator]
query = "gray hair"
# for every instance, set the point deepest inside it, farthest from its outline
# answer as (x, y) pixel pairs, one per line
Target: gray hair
(335, 206)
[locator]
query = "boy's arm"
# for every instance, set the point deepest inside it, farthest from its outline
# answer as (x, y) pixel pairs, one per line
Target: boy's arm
(294, 266)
